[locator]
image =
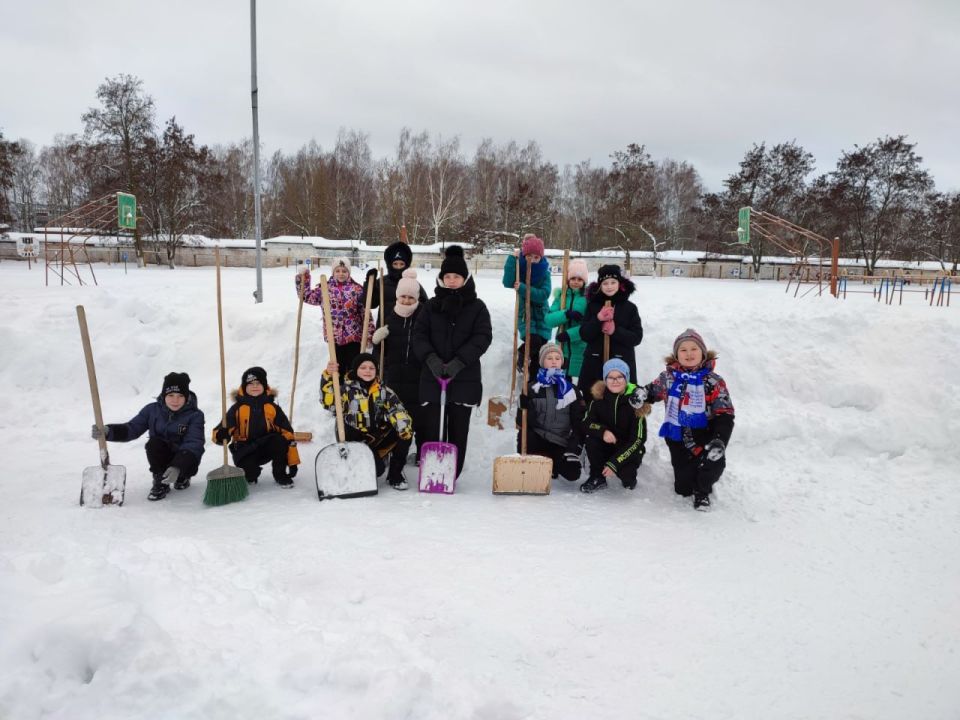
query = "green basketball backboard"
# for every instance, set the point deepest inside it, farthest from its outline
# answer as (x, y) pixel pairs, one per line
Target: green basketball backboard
(743, 226)
(126, 211)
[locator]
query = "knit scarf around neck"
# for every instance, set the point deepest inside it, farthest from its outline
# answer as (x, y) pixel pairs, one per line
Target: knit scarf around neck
(562, 386)
(686, 403)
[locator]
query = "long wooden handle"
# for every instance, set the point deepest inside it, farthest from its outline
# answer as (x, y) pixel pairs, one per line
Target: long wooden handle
(223, 370)
(383, 321)
(526, 363)
(94, 388)
(366, 315)
(606, 339)
(563, 286)
(332, 349)
(296, 349)
(516, 324)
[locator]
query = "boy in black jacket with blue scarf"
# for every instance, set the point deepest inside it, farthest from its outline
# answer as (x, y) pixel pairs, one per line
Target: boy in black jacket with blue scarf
(175, 443)
(699, 416)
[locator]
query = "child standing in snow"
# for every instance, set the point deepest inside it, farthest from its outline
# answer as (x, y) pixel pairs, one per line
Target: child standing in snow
(620, 322)
(346, 308)
(531, 253)
(616, 431)
(571, 316)
(372, 414)
(401, 371)
(175, 441)
(451, 334)
(699, 416)
(258, 431)
(555, 412)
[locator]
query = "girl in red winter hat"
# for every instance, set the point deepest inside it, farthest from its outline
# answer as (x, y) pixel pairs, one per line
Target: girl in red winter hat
(531, 254)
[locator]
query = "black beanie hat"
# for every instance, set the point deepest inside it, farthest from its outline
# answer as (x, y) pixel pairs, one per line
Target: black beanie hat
(453, 262)
(609, 271)
(254, 373)
(398, 251)
(360, 359)
(176, 383)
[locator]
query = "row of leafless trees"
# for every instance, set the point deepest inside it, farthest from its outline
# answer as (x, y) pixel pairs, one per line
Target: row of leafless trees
(879, 199)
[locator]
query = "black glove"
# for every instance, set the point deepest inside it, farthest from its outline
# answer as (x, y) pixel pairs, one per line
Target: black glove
(371, 273)
(223, 436)
(435, 365)
(563, 337)
(524, 401)
(291, 471)
(96, 433)
(453, 367)
(574, 315)
(714, 451)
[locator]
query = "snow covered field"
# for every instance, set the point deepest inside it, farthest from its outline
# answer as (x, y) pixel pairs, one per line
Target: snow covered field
(825, 583)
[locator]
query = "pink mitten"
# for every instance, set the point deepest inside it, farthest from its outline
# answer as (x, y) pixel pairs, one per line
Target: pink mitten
(608, 327)
(605, 314)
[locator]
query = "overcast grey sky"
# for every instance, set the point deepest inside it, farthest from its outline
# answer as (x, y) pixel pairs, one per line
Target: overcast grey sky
(695, 80)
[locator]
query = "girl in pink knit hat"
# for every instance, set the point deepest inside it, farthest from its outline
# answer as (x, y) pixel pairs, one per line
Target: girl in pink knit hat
(571, 316)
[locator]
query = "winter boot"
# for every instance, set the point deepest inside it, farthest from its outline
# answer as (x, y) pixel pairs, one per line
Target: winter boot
(182, 483)
(701, 501)
(285, 482)
(593, 484)
(159, 490)
(397, 481)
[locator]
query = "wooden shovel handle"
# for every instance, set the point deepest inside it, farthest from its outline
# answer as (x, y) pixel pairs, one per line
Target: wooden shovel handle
(606, 339)
(526, 362)
(563, 286)
(296, 349)
(366, 315)
(332, 350)
(223, 370)
(94, 388)
(516, 324)
(383, 321)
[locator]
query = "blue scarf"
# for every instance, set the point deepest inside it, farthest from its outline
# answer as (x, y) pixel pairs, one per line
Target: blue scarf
(562, 386)
(686, 403)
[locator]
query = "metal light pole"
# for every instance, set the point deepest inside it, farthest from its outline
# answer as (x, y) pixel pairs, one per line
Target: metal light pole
(258, 293)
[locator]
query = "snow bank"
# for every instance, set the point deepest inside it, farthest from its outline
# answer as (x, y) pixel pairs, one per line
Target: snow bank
(824, 584)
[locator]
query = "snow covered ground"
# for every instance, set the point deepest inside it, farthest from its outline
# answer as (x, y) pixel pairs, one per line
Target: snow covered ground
(825, 583)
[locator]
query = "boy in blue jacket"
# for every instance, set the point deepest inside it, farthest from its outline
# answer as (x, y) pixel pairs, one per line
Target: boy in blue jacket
(175, 443)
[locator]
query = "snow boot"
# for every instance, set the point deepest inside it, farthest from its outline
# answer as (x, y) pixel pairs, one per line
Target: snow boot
(285, 482)
(593, 484)
(182, 483)
(398, 482)
(159, 490)
(701, 502)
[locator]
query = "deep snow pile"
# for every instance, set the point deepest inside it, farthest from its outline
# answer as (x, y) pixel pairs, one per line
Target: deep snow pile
(825, 583)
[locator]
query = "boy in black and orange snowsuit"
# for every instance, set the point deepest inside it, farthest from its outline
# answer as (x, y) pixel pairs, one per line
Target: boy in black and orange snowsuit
(258, 431)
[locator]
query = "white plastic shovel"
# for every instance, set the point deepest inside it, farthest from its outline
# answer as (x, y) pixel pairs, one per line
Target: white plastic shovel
(438, 460)
(343, 469)
(102, 484)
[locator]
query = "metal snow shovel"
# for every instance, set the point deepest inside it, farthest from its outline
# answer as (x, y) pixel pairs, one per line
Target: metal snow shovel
(343, 469)
(438, 460)
(103, 484)
(497, 405)
(523, 474)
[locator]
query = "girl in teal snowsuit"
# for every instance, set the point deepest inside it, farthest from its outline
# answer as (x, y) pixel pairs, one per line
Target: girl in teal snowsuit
(531, 251)
(571, 316)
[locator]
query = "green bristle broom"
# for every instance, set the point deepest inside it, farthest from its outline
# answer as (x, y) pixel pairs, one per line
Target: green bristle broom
(226, 484)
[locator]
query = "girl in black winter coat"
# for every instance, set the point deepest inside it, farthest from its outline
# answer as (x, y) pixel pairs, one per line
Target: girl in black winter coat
(401, 366)
(451, 334)
(620, 322)
(398, 257)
